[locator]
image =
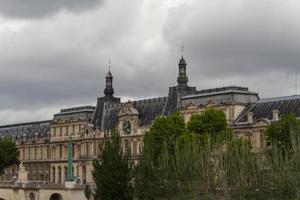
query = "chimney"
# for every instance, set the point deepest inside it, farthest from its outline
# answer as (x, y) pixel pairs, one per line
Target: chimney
(275, 115)
(250, 117)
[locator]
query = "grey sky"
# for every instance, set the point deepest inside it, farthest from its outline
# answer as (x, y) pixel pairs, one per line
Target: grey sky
(54, 54)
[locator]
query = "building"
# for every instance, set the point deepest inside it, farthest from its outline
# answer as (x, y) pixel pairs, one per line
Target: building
(43, 145)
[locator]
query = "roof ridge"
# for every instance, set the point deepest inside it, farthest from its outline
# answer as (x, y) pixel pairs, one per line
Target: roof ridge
(280, 98)
(25, 123)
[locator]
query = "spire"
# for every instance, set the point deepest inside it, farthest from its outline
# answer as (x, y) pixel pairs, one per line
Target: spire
(109, 90)
(182, 78)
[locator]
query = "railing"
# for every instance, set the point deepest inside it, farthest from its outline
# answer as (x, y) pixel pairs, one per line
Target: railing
(85, 157)
(38, 185)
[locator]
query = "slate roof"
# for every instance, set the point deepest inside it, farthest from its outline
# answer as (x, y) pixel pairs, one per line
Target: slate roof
(148, 110)
(81, 113)
(224, 95)
(31, 129)
(264, 108)
(218, 91)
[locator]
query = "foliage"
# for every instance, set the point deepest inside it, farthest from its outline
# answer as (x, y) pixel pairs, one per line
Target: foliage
(215, 165)
(87, 192)
(210, 122)
(154, 173)
(9, 154)
(113, 174)
(281, 132)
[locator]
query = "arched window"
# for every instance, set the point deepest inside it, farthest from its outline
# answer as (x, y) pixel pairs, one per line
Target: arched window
(56, 196)
(31, 196)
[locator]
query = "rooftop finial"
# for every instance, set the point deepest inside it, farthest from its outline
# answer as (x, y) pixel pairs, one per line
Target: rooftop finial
(296, 82)
(109, 64)
(182, 50)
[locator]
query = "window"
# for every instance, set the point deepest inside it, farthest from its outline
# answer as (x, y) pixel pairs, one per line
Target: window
(60, 131)
(59, 174)
(134, 147)
(53, 174)
(65, 173)
(126, 146)
(60, 151)
(67, 130)
(23, 153)
(84, 174)
(35, 153)
(41, 152)
(87, 149)
(73, 130)
(31, 196)
(48, 152)
(262, 138)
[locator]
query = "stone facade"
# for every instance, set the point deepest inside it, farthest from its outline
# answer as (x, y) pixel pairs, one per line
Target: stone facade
(43, 145)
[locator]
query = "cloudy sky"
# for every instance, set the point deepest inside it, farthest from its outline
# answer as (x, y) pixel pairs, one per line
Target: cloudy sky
(54, 54)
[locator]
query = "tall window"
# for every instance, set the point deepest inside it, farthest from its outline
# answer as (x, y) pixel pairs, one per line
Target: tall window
(134, 147)
(60, 151)
(35, 153)
(67, 130)
(41, 152)
(23, 153)
(87, 149)
(65, 173)
(84, 174)
(73, 129)
(59, 174)
(53, 174)
(48, 152)
(261, 138)
(60, 131)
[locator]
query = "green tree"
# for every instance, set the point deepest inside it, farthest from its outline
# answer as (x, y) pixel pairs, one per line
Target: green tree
(210, 122)
(87, 192)
(113, 173)
(280, 133)
(9, 154)
(154, 175)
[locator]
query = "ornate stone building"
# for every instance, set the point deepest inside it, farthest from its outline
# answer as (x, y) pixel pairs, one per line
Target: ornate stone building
(43, 145)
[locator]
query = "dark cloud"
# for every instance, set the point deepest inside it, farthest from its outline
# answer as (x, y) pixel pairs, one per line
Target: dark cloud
(58, 62)
(43, 8)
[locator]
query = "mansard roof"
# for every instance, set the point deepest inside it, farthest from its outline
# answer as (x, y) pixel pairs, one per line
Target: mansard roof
(218, 91)
(223, 95)
(31, 129)
(264, 108)
(81, 113)
(148, 110)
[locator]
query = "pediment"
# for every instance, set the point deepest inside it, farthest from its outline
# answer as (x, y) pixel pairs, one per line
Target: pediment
(211, 102)
(128, 109)
(191, 105)
(261, 122)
